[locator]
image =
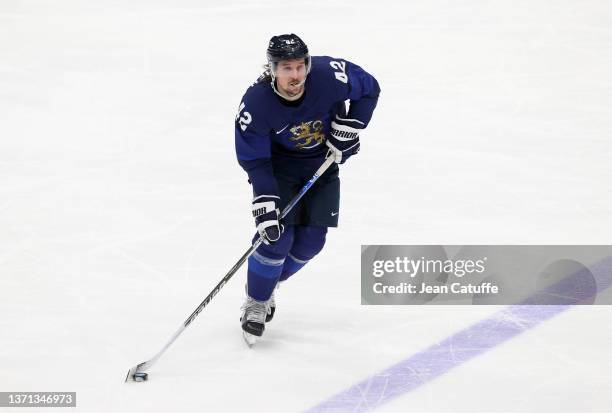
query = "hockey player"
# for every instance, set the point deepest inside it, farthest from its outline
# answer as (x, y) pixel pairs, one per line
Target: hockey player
(287, 123)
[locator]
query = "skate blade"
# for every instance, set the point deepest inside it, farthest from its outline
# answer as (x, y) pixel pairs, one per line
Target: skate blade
(249, 339)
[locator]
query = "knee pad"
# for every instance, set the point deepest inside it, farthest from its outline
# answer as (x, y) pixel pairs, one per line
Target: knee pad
(308, 241)
(278, 249)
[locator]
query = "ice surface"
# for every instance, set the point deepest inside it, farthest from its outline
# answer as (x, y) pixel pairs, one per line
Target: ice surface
(117, 159)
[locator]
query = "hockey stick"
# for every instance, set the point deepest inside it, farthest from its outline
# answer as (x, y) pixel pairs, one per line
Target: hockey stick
(136, 373)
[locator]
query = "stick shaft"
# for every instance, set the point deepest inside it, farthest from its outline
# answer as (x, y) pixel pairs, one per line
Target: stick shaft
(147, 364)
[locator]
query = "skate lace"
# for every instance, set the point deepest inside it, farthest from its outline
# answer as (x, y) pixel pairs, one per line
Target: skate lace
(255, 310)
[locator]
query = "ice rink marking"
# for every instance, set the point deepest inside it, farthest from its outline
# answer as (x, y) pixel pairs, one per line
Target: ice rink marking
(449, 353)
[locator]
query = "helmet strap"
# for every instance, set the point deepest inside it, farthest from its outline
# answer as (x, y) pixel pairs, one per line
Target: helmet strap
(272, 65)
(289, 98)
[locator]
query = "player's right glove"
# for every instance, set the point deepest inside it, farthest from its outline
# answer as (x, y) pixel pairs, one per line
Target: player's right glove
(344, 138)
(266, 214)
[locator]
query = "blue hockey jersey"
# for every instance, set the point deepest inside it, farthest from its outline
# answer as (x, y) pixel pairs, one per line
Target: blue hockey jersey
(272, 134)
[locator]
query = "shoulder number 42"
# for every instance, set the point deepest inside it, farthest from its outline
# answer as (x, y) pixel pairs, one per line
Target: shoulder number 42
(340, 66)
(245, 119)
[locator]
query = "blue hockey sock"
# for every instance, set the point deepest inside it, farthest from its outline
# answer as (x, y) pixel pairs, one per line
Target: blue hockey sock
(266, 265)
(291, 266)
(262, 276)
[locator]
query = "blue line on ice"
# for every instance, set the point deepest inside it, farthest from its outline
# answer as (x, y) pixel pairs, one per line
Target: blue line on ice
(433, 362)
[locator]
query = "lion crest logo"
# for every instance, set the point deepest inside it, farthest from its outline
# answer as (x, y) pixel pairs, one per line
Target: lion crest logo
(307, 134)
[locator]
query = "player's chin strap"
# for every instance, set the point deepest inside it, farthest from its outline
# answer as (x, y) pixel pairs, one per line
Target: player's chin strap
(289, 98)
(146, 365)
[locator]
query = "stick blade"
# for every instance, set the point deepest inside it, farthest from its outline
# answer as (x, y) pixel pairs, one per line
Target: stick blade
(132, 371)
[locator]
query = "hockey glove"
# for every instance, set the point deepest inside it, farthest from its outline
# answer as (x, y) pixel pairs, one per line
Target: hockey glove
(266, 217)
(344, 139)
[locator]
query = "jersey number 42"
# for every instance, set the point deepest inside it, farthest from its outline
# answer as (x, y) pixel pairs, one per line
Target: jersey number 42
(245, 119)
(341, 70)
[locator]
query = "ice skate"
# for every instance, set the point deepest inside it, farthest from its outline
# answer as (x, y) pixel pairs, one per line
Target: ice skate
(270, 304)
(253, 320)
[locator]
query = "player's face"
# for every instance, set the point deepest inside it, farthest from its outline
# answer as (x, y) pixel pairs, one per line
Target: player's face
(290, 76)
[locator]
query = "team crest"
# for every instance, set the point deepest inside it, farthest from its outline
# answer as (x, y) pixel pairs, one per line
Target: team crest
(307, 134)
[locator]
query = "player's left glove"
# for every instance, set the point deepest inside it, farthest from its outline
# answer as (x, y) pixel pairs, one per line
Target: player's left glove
(344, 139)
